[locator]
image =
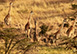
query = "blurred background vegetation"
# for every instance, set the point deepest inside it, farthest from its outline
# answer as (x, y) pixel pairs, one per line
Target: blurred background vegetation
(50, 16)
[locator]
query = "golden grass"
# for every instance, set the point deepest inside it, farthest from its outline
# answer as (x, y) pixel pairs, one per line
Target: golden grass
(20, 10)
(48, 12)
(49, 50)
(43, 9)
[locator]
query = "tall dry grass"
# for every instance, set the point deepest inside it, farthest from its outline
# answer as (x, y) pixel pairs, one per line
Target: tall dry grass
(46, 10)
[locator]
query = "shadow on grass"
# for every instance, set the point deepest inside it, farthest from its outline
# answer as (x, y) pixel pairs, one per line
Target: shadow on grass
(14, 40)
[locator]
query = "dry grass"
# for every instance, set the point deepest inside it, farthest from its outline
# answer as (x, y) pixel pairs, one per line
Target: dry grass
(47, 50)
(48, 12)
(20, 10)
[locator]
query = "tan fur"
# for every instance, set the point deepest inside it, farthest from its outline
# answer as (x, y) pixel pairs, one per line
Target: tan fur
(70, 31)
(59, 31)
(7, 18)
(27, 26)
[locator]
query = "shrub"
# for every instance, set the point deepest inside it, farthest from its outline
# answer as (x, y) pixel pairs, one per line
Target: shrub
(15, 41)
(43, 29)
(74, 6)
(66, 25)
